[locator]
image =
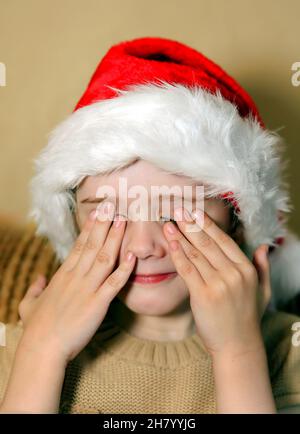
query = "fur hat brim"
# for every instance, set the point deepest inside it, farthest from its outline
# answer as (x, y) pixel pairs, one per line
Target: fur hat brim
(182, 130)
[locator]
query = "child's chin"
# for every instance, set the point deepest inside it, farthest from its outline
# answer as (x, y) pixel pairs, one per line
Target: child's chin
(160, 301)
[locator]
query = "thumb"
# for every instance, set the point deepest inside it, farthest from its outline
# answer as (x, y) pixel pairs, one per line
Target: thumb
(36, 287)
(261, 261)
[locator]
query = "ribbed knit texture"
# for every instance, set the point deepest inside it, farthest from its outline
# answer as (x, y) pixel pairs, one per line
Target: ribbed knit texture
(23, 255)
(120, 373)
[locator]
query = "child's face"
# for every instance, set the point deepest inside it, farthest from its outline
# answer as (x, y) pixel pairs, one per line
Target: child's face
(145, 237)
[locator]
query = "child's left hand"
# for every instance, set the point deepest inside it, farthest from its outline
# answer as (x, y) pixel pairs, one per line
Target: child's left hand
(228, 293)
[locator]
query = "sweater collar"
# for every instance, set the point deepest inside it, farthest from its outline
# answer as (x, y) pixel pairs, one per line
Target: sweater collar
(166, 354)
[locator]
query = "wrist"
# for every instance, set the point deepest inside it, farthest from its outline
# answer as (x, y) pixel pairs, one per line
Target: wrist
(239, 350)
(46, 352)
(242, 381)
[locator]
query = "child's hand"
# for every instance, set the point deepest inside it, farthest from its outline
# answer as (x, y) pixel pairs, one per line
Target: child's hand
(67, 313)
(227, 294)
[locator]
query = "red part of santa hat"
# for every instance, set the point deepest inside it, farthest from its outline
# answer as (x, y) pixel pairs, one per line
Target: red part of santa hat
(152, 59)
(160, 100)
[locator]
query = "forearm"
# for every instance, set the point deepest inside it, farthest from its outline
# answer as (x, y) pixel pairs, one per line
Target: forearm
(242, 383)
(35, 382)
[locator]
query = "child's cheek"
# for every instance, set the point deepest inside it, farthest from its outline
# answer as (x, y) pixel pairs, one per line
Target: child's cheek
(219, 214)
(81, 216)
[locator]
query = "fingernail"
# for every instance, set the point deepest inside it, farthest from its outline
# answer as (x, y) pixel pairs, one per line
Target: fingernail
(171, 228)
(93, 214)
(117, 222)
(198, 214)
(187, 215)
(129, 256)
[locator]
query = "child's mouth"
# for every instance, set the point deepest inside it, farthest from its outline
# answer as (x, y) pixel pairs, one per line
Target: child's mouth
(151, 278)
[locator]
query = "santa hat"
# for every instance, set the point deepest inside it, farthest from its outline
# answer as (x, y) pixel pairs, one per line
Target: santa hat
(162, 101)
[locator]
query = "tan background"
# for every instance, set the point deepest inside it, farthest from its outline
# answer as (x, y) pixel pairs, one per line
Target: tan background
(51, 48)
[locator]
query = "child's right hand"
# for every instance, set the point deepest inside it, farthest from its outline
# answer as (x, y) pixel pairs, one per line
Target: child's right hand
(65, 315)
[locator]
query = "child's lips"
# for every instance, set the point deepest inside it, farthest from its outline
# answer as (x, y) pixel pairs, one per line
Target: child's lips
(151, 278)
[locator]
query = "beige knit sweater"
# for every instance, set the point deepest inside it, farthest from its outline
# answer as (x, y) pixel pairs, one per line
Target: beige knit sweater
(120, 373)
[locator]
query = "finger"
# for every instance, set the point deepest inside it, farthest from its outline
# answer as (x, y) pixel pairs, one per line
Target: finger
(72, 259)
(204, 267)
(185, 267)
(106, 257)
(36, 287)
(118, 279)
(200, 238)
(95, 239)
(222, 239)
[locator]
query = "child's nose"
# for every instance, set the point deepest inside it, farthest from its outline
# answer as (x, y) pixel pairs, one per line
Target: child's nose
(144, 239)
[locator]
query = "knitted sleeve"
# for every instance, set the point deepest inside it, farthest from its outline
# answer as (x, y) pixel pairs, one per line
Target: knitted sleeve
(284, 359)
(9, 338)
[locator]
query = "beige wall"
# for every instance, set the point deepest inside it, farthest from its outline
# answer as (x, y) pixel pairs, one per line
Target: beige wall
(51, 47)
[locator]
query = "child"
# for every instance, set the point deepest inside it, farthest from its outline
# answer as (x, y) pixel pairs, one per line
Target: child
(190, 323)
